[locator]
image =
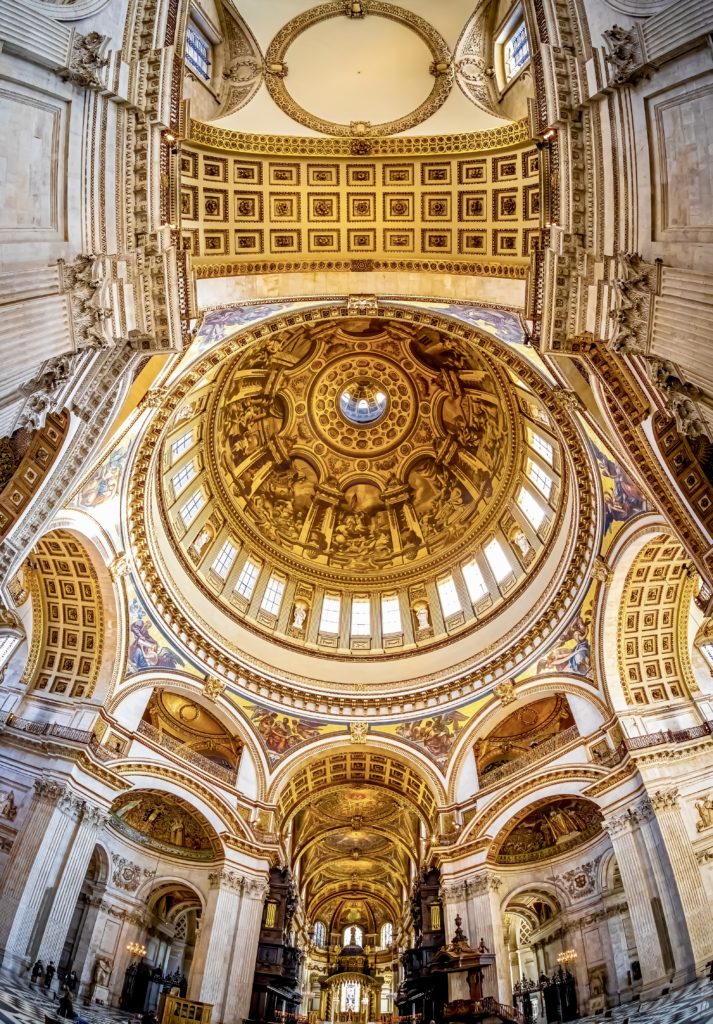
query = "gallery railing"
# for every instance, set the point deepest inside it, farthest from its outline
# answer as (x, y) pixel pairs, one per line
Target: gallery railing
(542, 750)
(161, 739)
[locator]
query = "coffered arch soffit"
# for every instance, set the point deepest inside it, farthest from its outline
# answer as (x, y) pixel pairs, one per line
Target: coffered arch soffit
(368, 766)
(644, 615)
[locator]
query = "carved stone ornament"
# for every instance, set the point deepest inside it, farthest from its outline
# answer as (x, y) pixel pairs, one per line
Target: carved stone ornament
(213, 688)
(358, 731)
(635, 286)
(624, 55)
(44, 391)
(626, 821)
(8, 807)
(9, 620)
(356, 8)
(83, 283)
(704, 808)
(153, 398)
(601, 571)
(48, 789)
(661, 800)
(119, 567)
(505, 691)
(474, 74)
(680, 397)
(126, 874)
(85, 61)
(487, 882)
(581, 881)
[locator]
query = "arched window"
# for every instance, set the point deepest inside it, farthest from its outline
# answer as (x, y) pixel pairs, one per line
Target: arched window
(357, 939)
(387, 934)
(351, 992)
(320, 934)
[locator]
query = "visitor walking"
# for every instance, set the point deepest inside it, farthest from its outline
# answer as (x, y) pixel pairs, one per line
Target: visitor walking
(37, 971)
(49, 973)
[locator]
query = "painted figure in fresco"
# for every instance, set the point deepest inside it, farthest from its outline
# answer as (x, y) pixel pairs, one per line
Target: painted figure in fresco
(145, 651)
(104, 483)
(573, 653)
(281, 732)
(437, 734)
(622, 498)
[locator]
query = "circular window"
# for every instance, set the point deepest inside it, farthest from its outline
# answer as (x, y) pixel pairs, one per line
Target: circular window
(363, 402)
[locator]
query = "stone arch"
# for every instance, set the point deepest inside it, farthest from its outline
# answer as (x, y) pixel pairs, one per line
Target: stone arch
(214, 808)
(321, 768)
(567, 780)
(461, 773)
(575, 812)
(644, 617)
(128, 704)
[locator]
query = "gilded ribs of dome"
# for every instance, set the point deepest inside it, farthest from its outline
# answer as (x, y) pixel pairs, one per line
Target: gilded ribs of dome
(326, 493)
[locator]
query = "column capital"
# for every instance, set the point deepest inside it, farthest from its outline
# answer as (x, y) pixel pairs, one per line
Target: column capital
(625, 821)
(482, 883)
(661, 800)
(94, 816)
(452, 891)
(49, 790)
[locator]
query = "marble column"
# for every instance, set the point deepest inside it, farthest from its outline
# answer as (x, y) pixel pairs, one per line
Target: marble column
(216, 940)
(623, 831)
(31, 870)
(666, 828)
(482, 891)
(69, 882)
(242, 968)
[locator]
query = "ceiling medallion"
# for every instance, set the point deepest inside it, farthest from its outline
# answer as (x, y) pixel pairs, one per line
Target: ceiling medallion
(440, 68)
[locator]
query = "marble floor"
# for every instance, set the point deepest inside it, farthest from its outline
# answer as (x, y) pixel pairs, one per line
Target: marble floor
(690, 1005)
(22, 1003)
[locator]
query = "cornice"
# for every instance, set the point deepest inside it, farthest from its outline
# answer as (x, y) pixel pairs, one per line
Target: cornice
(487, 268)
(516, 133)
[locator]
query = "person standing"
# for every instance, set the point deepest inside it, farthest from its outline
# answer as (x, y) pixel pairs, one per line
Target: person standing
(49, 973)
(37, 971)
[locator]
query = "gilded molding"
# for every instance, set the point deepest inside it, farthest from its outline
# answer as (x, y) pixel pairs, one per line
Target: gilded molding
(493, 268)
(513, 134)
(276, 69)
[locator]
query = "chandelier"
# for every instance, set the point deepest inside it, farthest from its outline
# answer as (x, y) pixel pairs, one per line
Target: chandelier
(136, 949)
(567, 956)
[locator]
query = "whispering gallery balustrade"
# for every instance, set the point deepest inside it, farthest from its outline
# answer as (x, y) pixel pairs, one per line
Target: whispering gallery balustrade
(538, 753)
(185, 753)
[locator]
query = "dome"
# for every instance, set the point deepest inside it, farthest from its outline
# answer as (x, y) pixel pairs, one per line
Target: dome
(365, 488)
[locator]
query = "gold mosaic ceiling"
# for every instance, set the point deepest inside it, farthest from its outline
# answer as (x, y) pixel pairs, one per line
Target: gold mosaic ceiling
(328, 485)
(354, 845)
(351, 460)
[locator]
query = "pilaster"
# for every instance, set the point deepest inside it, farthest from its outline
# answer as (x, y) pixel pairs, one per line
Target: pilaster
(622, 829)
(242, 968)
(667, 832)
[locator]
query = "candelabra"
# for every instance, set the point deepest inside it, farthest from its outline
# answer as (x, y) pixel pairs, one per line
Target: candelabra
(567, 957)
(136, 949)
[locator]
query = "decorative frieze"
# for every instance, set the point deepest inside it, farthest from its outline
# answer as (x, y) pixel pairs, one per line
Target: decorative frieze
(127, 875)
(581, 881)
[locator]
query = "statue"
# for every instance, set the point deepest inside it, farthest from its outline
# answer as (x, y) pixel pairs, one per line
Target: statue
(8, 807)
(102, 971)
(482, 948)
(299, 616)
(705, 813)
(421, 613)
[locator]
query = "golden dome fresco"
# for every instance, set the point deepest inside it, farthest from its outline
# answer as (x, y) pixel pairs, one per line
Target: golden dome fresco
(364, 487)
